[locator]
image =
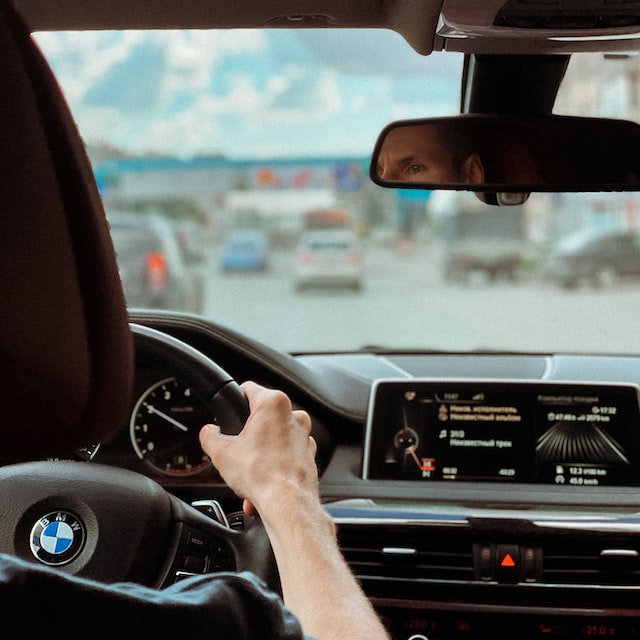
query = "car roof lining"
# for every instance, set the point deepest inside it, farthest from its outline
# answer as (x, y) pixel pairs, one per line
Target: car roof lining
(466, 26)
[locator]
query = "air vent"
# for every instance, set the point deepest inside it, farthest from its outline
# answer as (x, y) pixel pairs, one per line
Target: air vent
(598, 561)
(406, 553)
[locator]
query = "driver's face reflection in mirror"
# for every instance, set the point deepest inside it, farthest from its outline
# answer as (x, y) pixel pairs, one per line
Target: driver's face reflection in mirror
(426, 154)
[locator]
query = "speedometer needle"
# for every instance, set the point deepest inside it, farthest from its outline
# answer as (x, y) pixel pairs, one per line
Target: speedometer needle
(173, 421)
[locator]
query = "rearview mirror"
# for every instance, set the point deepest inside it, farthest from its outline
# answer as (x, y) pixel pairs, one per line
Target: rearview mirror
(509, 154)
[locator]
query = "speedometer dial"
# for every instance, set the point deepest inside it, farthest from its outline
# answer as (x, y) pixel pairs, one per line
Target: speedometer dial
(164, 429)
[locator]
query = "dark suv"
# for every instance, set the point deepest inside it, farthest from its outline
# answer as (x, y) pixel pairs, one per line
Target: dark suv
(598, 259)
(153, 270)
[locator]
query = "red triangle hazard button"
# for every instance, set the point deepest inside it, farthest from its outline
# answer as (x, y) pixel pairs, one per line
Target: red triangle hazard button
(508, 561)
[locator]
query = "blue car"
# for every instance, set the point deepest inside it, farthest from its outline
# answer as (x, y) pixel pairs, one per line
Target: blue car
(245, 250)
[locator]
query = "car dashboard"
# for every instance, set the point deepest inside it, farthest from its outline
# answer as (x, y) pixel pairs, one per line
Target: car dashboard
(472, 492)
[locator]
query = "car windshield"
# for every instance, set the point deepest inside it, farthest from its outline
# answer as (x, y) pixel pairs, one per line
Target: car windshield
(272, 131)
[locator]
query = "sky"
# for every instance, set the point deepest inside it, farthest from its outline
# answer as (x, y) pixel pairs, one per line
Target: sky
(247, 93)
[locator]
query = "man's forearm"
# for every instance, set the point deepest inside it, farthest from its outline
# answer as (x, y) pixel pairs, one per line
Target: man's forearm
(317, 584)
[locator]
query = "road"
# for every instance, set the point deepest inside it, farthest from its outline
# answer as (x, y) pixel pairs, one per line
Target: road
(406, 304)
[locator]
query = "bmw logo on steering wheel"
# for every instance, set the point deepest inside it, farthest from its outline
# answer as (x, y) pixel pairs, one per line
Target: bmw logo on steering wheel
(57, 538)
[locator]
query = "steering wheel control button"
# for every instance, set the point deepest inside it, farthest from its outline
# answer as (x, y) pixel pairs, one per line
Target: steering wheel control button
(195, 564)
(200, 554)
(222, 559)
(57, 538)
(198, 542)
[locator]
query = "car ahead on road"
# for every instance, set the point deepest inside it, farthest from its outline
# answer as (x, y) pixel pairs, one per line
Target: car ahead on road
(245, 250)
(598, 259)
(478, 448)
(152, 267)
(329, 258)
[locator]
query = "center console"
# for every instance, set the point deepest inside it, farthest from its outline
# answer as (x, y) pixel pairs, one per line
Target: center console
(495, 509)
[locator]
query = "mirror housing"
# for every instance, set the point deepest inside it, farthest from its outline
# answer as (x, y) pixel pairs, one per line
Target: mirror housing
(500, 156)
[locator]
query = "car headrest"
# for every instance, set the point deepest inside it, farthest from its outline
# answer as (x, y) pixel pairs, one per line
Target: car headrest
(66, 351)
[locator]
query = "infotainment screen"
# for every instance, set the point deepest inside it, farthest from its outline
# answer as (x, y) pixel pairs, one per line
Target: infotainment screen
(531, 432)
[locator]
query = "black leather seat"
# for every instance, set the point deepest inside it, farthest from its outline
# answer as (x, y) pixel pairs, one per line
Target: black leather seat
(66, 354)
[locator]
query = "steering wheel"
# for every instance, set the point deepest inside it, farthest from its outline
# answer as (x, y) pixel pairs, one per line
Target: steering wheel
(115, 525)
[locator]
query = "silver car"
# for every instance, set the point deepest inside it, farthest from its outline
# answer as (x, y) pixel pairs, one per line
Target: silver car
(329, 258)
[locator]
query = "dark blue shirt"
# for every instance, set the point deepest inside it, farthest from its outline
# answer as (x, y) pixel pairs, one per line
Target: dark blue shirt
(38, 601)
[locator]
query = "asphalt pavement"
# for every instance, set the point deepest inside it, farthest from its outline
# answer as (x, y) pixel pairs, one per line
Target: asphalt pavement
(406, 303)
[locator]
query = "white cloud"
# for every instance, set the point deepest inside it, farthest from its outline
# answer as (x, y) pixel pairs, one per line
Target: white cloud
(236, 91)
(79, 59)
(193, 54)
